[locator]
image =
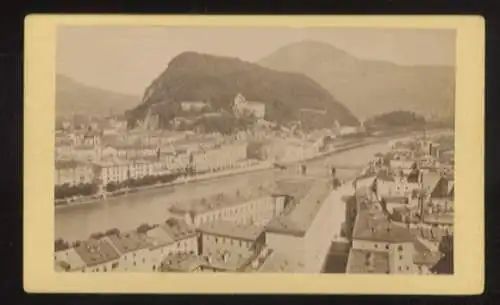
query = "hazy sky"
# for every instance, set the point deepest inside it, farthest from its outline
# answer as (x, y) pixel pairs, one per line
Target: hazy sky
(127, 59)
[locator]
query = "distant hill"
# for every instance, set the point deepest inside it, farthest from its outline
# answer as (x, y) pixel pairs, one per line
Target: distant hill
(217, 80)
(72, 96)
(395, 120)
(369, 87)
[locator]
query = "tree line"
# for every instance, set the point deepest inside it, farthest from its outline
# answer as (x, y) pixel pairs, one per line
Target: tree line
(143, 181)
(88, 189)
(395, 119)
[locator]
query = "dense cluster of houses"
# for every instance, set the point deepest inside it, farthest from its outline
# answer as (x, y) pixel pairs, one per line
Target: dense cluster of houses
(403, 208)
(271, 228)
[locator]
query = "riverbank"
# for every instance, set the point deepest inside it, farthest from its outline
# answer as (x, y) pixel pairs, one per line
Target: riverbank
(341, 147)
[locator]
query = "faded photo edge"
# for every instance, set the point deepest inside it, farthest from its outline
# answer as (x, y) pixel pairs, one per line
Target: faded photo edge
(38, 144)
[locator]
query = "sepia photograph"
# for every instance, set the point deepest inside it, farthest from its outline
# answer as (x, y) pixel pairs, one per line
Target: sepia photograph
(254, 149)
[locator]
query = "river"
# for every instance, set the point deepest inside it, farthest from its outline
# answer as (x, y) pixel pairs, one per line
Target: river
(150, 206)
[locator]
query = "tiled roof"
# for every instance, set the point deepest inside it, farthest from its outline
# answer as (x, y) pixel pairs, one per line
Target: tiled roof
(94, 252)
(364, 261)
(159, 238)
(232, 230)
(73, 259)
(129, 242)
(374, 226)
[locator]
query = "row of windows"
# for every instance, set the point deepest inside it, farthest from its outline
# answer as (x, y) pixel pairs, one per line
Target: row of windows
(400, 248)
(224, 240)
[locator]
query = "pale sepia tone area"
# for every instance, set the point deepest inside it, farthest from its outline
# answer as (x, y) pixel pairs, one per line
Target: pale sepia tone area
(280, 150)
(239, 150)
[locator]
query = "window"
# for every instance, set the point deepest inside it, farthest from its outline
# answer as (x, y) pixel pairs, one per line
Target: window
(387, 247)
(401, 257)
(400, 248)
(376, 246)
(407, 268)
(114, 265)
(399, 268)
(104, 269)
(135, 263)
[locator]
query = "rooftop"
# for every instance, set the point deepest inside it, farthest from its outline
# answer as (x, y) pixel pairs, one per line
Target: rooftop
(374, 225)
(177, 229)
(72, 259)
(96, 252)
(224, 261)
(299, 219)
(365, 261)
(423, 255)
(129, 242)
(232, 230)
(281, 262)
(181, 262)
(159, 238)
(430, 180)
(217, 201)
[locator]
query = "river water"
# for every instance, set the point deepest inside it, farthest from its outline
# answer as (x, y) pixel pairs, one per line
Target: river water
(150, 206)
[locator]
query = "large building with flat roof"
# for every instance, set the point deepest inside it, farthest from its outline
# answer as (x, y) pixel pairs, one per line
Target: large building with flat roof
(250, 206)
(304, 233)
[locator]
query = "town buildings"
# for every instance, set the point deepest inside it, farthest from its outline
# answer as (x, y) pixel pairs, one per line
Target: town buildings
(380, 245)
(172, 237)
(244, 207)
(303, 234)
(72, 172)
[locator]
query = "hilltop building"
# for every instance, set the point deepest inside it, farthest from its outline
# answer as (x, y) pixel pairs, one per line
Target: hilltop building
(242, 107)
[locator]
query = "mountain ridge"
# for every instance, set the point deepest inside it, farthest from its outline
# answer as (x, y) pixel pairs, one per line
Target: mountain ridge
(425, 89)
(218, 79)
(73, 96)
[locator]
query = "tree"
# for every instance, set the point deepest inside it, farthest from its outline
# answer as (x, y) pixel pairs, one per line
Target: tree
(113, 231)
(111, 186)
(336, 183)
(60, 245)
(97, 235)
(143, 228)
